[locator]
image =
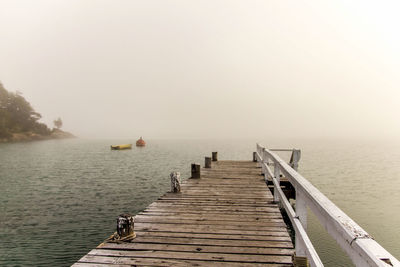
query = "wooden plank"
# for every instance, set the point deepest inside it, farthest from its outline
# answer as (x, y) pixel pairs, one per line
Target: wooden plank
(227, 190)
(216, 201)
(193, 256)
(268, 236)
(101, 261)
(232, 195)
(194, 219)
(215, 204)
(205, 216)
(222, 197)
(162, 206)
(199, 248)
(191, 221)
(205, 228)
(217, 216)
(211, 213)
(212, 230)
(95, 259)
(214, 242)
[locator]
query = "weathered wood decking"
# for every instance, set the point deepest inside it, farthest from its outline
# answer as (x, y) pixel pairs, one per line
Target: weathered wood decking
(225, 218)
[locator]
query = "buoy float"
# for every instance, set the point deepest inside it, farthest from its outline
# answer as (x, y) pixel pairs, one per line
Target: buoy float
(140, 142)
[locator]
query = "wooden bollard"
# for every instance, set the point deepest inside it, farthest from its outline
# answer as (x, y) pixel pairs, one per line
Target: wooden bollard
(254, 156)
(175, 182)
(125, 230)
(207, 162)
(214, 156)
(195, 170)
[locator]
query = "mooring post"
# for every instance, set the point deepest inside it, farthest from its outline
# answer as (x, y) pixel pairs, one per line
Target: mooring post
(277, 174)
(254, 157)
(175, 182)
(207, 162)
(195, 170)
(125, 227)
(214, 156)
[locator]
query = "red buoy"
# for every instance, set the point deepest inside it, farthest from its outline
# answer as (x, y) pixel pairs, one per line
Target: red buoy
(140, 142)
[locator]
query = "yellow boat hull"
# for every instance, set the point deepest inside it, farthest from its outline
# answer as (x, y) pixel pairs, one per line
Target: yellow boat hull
(121, 147)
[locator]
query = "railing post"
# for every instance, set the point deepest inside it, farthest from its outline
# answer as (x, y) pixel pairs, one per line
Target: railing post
(260, 155)
(265, 161)
(254, 157)
(277, 174)
(295, 158)
(262, 160)
(301, 214)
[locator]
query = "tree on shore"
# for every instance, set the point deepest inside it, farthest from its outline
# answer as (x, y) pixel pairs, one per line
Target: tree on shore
(58, 123)
(18, 116)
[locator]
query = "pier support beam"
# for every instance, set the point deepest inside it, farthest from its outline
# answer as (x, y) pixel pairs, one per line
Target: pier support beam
(207, 162)
(195, 170)
(175, 182)
(125, 229)
(214, 156)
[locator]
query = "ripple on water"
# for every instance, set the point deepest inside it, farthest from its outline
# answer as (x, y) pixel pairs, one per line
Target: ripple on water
(62, 197)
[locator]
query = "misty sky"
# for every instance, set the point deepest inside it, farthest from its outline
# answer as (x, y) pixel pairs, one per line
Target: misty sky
(206, 69)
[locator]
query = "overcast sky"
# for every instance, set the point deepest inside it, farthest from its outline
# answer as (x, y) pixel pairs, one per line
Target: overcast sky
(206, 69)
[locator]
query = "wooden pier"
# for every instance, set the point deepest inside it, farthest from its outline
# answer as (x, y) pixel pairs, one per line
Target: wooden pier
(224, 218)
(226, 215)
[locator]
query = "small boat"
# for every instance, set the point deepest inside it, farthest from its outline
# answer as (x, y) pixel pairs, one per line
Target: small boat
(120, 147)
(140, 142)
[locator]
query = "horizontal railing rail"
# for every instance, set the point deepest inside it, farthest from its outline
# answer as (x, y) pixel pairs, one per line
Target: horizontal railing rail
(362, 249)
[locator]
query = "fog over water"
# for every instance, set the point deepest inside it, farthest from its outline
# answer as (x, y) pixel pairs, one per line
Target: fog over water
(206, 69)
(285, 73)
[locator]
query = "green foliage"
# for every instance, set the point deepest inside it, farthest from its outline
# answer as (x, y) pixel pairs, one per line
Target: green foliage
(18, 116)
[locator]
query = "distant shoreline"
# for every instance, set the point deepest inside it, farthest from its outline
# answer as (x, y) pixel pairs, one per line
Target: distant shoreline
(30, 136)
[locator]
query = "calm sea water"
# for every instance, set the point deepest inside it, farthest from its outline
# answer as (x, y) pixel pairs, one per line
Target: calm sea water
(59, 199)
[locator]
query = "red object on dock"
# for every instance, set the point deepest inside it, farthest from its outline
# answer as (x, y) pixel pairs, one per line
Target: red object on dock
(140, 142)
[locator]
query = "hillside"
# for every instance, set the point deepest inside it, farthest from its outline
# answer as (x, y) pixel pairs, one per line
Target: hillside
(20, 122)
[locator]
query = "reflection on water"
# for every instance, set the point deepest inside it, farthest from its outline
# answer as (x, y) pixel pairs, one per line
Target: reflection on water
(59, 199)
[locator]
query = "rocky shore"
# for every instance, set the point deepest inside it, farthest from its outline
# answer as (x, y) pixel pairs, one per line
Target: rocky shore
(30, 136)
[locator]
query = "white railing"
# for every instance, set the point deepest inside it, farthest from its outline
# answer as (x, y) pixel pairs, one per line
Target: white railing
(355, 241)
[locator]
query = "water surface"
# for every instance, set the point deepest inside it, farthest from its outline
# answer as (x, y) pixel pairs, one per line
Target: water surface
(60, 198)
